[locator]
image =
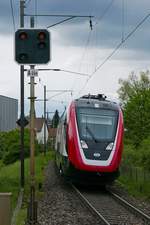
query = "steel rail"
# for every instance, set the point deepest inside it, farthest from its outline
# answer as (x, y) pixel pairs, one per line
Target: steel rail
(135, 210)
(90, 206)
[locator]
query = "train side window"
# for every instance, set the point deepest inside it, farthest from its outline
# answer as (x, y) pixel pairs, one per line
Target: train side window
(65, 121)
(65, 132)
(65, 125)
(58, 147)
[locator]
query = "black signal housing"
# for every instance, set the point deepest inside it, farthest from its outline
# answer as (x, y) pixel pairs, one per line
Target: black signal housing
(32, 46)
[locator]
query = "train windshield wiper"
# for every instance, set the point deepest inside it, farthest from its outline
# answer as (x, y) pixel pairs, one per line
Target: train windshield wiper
(91, 133)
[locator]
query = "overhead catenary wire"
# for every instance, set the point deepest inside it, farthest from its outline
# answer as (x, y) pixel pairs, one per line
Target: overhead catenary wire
(60, 93)
(12, 13)
(105, 11)
(115, 49)
(60, 22)
(123, 18)
(27, 2)
(89, 35)
(85, 48)
(83, 55)
(36, 11)
(122, 42)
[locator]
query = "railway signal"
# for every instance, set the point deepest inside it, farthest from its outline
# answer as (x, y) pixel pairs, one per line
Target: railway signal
(32, 46)
(23, 122)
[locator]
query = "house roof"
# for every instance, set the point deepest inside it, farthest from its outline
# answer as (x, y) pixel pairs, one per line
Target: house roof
(38, 124)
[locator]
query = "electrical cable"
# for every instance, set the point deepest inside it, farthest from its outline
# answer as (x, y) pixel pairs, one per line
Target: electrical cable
(27, 2)
(12, 13)
(116, 48)
(36, 12)
(60, 93)
(85, 49)
(82, 57)
(62, 21)
(123, 18)
(89, 36)
(105, 11)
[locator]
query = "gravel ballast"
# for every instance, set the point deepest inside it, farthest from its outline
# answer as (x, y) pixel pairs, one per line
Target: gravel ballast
(143, 205)
(60, 205)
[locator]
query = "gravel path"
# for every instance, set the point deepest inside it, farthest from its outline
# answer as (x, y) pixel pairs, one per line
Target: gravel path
(60, 205)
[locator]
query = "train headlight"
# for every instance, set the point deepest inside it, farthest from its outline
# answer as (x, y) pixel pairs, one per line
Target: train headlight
(84, 144)
(110, 146)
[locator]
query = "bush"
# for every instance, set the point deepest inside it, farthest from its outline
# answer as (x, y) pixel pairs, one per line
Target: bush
(144, 154)
(137, 156)
(3, 146)
(1, 164)
(10, 146)
(129, 154)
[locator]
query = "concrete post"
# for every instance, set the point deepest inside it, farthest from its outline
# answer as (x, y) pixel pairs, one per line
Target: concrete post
(5, 208)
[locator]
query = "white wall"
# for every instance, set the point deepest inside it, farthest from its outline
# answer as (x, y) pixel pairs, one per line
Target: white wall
(40, 135)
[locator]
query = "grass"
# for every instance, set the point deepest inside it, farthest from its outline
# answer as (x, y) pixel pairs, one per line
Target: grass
(41, 162)
(137, 189)
(10, 181)
(135, 175)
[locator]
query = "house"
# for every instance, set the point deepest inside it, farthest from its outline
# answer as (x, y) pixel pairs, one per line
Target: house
(52, 132)
(39, 129)
(52, 135)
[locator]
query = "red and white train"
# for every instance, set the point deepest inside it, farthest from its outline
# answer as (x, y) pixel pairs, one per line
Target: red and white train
(89, 140)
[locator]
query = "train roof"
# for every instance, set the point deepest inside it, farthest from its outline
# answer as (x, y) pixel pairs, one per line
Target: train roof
(96, 101)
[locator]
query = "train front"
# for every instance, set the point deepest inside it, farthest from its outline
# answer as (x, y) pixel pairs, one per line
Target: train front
(98, 139)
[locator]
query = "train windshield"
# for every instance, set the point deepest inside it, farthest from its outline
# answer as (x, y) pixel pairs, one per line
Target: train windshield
(97, 124)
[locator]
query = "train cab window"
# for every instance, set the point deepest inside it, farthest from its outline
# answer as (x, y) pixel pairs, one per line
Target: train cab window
(97, 124)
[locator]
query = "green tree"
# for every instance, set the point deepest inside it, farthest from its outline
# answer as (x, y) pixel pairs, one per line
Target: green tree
(55, 119)
(10, 146)
(3, 146)
(134, 94)
(144, 154)
(11, 149)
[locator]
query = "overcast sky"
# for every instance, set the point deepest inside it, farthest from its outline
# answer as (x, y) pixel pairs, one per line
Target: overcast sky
(75, 47)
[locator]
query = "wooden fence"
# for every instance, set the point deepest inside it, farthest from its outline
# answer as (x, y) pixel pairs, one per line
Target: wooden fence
(136, 175)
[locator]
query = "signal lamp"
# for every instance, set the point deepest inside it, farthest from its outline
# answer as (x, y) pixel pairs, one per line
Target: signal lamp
(41, 36)
(42, 45)
(23, 36)
(23, 56)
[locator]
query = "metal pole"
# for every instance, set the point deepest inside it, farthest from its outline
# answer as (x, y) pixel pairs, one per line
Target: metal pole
(22, 13)
(32, 209)
(22, 103)
(44, 119)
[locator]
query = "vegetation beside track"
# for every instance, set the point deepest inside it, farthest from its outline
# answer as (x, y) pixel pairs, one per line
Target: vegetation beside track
(10, 145)
(135, 173)
(10, 181)
(134, 94)
(138, 189)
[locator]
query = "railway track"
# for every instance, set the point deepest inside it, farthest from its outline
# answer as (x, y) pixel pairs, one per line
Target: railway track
(111, 209)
